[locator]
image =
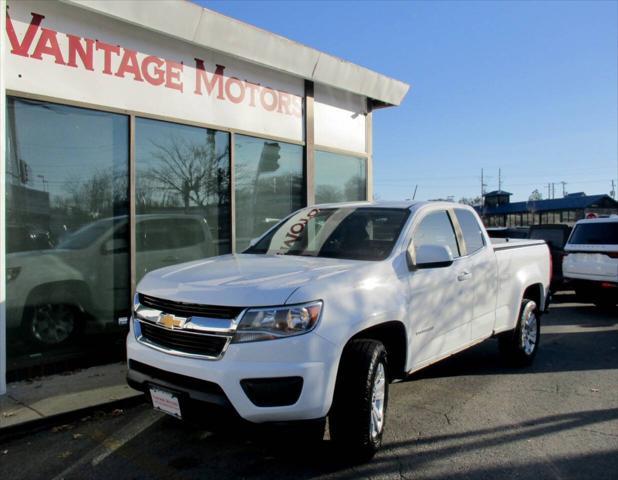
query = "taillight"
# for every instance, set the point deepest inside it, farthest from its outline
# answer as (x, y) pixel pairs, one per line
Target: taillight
(608, 285)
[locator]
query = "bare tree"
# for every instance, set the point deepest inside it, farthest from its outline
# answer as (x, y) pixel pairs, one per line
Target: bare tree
(194, 172)
(535, 196)
(472, 201)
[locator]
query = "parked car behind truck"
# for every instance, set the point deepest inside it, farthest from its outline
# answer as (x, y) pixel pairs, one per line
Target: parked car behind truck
(556, 236)
(322, 312)
(591, 261)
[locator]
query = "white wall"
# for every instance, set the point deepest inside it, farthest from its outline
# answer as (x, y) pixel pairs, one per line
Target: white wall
(339, 119)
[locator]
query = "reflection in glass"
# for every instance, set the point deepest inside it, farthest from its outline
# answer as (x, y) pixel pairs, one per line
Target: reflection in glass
(269, 185)
(182, 193)
(66, 222)
(339, 178)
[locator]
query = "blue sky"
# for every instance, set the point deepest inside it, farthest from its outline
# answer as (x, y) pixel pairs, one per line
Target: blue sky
(528, 87)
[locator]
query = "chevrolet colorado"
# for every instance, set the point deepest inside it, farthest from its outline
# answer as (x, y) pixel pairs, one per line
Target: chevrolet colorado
(319, 314)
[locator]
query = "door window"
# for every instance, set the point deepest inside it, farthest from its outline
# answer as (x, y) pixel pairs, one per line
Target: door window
(472, 233)
(436, 229)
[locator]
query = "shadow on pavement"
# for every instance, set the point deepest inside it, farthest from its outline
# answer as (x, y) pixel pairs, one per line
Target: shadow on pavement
(173, 450)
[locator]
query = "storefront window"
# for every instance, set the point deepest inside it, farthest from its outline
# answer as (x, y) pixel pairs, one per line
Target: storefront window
(66, 227)
(182, 194)
(269, 185)
(339, 178)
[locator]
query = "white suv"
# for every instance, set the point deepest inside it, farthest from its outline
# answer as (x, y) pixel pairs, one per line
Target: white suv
(591, 260)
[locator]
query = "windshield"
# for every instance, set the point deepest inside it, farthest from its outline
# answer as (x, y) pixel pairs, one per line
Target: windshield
(601, 233)
(86, 236)
(356, 233)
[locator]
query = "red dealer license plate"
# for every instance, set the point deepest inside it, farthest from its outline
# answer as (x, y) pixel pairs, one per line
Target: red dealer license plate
(165, 401)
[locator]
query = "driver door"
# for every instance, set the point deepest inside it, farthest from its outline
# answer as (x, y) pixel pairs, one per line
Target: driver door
(440, 297)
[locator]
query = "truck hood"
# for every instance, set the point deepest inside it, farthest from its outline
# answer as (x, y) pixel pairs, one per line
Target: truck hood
(47, 259)
(242, 280)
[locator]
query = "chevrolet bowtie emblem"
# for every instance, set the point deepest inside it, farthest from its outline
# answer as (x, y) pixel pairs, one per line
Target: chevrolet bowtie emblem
(170, 321)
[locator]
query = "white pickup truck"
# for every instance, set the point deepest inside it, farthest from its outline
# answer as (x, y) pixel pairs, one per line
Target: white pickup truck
(325, 309)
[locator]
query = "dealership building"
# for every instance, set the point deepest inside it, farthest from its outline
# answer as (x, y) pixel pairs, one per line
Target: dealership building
(143, 134)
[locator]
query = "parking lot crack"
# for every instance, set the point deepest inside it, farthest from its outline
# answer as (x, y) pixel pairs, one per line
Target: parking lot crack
(448, 420)
(605, 434)
(22, 404)
(400, 466)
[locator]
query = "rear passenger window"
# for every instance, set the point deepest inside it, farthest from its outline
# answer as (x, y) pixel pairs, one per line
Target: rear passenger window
(436, 229)
(472, 232)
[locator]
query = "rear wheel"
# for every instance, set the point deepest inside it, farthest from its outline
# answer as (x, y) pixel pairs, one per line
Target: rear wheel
(519, 347)
(358, 414)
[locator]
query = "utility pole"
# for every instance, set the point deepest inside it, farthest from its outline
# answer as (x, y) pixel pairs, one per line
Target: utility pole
(499, 179)
(613, 190)
(553, 190)
(563, 189)
(483, 184)
(548, 191)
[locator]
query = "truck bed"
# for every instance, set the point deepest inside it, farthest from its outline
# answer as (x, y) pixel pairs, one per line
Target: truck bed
(516, 259)
(507, 243)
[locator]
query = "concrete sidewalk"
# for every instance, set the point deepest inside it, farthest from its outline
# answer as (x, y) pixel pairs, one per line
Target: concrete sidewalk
(29, 402)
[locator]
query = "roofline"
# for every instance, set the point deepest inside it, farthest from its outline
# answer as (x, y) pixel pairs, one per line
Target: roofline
(403, 205)
(189, 22)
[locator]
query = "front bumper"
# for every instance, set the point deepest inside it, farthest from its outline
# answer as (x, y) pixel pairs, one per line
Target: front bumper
(310, 357)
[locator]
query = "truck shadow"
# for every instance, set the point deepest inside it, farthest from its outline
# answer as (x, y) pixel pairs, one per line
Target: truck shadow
(181, 451)
(573, 338)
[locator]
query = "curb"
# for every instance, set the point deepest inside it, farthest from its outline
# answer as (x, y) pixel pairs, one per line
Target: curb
(19, 430)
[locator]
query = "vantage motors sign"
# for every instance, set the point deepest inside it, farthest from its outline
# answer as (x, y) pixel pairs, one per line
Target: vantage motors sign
(59, 51)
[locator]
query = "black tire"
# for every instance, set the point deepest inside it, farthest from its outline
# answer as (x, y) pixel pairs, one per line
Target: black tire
(363, 363)
(520, 346)
(62, 325)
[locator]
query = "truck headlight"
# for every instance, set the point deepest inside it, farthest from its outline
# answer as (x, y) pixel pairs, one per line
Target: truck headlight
(12, 273)
(277, 322)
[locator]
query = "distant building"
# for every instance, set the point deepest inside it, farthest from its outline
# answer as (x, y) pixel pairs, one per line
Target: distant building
(498, 211)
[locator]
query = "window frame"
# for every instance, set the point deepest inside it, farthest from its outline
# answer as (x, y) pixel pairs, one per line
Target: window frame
(463, 238)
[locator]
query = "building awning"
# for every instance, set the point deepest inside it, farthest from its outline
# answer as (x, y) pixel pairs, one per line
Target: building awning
(199, 26)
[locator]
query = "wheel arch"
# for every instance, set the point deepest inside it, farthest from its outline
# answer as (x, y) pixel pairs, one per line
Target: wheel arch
(74, 292)
(393, 335)
(534, 292)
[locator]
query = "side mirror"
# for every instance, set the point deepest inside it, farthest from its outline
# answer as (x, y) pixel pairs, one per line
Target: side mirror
(429, 256)
(115, 245)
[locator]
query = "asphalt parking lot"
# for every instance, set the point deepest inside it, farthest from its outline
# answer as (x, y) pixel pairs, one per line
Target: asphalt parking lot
(467, 417)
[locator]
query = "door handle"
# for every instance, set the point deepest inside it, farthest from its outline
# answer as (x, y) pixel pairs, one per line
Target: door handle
(462, 276)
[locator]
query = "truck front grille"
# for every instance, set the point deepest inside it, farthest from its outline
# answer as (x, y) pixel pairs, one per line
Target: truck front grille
(190, 309)
(175, 341)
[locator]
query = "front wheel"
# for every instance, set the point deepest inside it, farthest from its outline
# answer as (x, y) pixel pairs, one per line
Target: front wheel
(51, 324)
(358, 414)
(519, 347)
